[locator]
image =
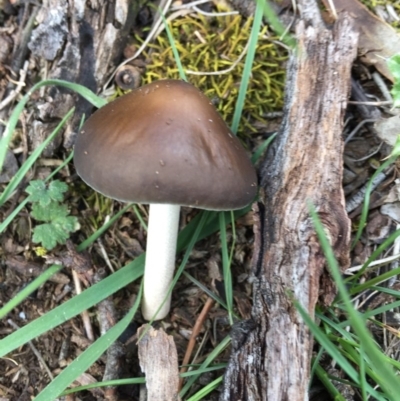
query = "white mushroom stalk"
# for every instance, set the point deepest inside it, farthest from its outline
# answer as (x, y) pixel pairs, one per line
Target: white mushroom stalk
(164, 144)
(159, 269)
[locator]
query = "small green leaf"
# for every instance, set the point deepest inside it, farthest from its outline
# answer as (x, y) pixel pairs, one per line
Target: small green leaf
(39, 192)
(396, 148)
(48, 236)
(396, 94)
(56, 190)
(67, 223)
(56, 232)
(394, 66)
(50, 212)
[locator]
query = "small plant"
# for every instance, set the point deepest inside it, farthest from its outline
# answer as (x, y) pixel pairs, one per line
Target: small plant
(47, 206)
(394, 67)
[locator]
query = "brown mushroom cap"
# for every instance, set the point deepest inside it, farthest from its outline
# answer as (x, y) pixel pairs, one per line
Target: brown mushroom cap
(165, 143)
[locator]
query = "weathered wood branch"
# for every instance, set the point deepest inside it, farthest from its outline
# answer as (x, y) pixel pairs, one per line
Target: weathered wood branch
(271, 353)
(158, 359)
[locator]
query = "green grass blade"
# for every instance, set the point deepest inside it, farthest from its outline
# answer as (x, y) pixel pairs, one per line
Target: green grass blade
(102, 229)
(13, 214)
(29, 289)
(384, 308)
(137, 380)
(324, 379)
(359, 358)
(88, 357)
(389, 382)
(206, 390)
(173, 47)
(108, 383)
(363, 380)
(327, 344)
(226, 267)
(210, 227)
(376, 280)
(60, 167)
(244, 83)
(365, 209)
(12, 123)
(262, 148)
(367, 315)
(381, 248)
(315, 363)
(332, 350)
(388, 291)
(276, 24)
(210, 358)
(86, 93)
(15, 181)
(139, 217)
(206, 290)
(17, 210)
(74, 306)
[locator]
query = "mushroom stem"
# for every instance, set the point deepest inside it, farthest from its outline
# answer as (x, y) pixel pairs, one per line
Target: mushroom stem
(160, 259)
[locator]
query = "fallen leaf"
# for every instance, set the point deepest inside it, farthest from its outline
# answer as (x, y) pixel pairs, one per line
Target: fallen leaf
(378, 228)
(388, 129)
(378, 41)
(394, 193)
(392, 210)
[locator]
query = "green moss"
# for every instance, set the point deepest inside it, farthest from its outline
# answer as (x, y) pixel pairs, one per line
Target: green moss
(373, 3)
(212, 44)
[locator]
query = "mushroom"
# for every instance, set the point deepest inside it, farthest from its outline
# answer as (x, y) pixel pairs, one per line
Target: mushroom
(164, 144)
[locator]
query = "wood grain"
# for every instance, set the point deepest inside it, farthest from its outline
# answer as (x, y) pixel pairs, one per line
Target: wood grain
(158, 359)
(271, 352)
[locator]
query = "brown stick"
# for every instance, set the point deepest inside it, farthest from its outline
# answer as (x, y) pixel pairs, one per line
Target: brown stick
(195, 332)
(271, 355)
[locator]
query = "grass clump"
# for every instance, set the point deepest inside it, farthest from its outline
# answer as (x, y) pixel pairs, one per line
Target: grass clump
(345, 333)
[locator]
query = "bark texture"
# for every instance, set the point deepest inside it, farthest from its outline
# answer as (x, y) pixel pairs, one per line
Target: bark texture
(79, 42)
(75, 40)
(271, 353)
